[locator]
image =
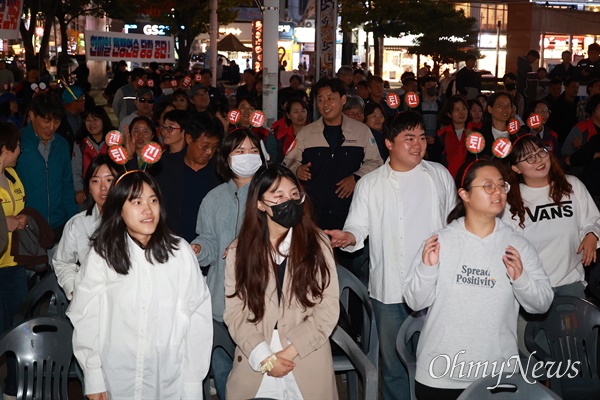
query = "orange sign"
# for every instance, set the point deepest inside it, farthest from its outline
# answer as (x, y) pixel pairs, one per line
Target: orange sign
(393, 100)
(412, 99)
(534, 121)
(257, 119)
(501, 147)
(513, 126)
(234, 116)
(118, 154)
(475, 143)
(114, 138)
(151, 153)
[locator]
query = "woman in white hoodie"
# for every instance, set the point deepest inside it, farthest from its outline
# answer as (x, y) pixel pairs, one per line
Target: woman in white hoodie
(473, 275)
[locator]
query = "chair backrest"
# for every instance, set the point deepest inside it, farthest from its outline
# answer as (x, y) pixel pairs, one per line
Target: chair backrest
(33, 306)
(369, 342)
(406, 344)
(43, 349)
(222, 339)
(511, 387)
(571, 330)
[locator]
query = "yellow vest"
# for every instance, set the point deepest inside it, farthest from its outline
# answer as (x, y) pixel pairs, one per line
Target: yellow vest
(11, 209)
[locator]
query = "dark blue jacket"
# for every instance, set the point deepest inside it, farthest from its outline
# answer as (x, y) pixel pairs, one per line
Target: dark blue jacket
(48, 187)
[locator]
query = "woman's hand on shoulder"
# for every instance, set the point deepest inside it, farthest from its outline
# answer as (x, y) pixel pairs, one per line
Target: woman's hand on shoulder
(431, 251)
(512, 260)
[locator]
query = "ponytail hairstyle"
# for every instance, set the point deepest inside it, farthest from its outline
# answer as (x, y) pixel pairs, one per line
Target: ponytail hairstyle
(464, 179)
(110, 239)
(559, 185)
(254, 265)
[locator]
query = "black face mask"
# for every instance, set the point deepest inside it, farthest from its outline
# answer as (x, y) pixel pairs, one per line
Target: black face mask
(510, 86)
(287, 214)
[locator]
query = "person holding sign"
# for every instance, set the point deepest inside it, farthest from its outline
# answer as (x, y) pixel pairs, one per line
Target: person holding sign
(554, 211)
(140, 310)
(477, 261)
(397, 206)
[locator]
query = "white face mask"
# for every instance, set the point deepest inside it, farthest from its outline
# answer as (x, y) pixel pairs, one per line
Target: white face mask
(245, 165)
(167, 91)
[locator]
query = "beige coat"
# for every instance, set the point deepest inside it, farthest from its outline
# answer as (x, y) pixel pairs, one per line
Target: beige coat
(308, 330)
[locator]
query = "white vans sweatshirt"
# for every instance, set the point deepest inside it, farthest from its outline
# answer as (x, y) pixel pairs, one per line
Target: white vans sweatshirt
(557, 231)
(473, 303)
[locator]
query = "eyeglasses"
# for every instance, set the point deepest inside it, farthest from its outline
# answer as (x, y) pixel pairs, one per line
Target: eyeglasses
(532, 158)
(169, 129)
(297, 198)
(144, 100)
(490, 187)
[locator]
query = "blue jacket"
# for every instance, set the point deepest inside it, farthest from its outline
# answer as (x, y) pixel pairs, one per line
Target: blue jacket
(48, 187)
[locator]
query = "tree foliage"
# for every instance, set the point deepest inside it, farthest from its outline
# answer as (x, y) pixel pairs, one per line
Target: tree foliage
(443, 33)
(187, 19)
(449, 36)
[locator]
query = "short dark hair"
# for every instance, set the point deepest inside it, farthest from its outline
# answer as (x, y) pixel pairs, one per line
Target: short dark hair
(534, 53)
(374, 78)
(96, 163)
(509, 75)
(182, 118)
(592, 103)
(403, 121)
(594, 47)
(249, 99)
(148, 122)
(362, 83)
(250, 71)
(556, 81)
(203, 124)
(47, 105)
(370, 109)
(206, 71)
(9, 136)
(471, 57)
(138, 73)
(359, 72)
(335, 84)
(429, 78)
(296, 77)
(110, 239)
(569, 80)
(232, 141)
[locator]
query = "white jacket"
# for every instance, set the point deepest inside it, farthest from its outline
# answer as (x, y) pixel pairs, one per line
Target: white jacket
(73, 248)
(473, 303)
(376, 212)
(144, 335)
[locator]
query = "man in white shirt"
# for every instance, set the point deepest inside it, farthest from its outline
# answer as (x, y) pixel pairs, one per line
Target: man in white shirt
(398, 206)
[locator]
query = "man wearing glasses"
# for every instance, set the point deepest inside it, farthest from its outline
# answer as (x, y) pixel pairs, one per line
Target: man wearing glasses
(187, 175)
(144, 102)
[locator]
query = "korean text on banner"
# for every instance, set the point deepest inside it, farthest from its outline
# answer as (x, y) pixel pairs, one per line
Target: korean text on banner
(10, 18)
(111, 46)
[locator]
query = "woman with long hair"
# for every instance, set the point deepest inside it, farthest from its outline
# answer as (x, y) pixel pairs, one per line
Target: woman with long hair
(91, 137)
(476, 114)
(473, 275)
(141, 310)
(555, 212)
(282, 300)
(454, 118)
(74, 244)
(219, 220)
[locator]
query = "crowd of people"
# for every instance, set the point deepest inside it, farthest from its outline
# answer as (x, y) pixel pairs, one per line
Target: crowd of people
(265, 213)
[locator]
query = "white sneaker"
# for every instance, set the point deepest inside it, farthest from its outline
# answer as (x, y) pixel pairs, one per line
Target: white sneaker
(8, 397)
(213, 390)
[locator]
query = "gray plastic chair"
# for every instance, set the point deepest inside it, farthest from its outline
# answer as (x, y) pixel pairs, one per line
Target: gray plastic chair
(222, 339)
(43, 351)
(406, 344)
(510, 388)
(360, 363)
(369, 341)
(47, 287)
(571, 329)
